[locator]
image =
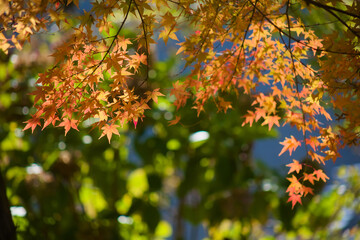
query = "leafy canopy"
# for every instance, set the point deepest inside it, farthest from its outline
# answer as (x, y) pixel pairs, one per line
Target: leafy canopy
(262, 48)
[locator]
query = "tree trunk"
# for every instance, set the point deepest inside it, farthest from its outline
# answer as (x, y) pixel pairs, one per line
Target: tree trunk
(7, 227)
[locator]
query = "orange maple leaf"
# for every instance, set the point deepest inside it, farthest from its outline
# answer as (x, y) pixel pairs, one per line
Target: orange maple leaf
(68, 123)
(224, 105)
(316, 157)
(175, 121)
(154, 95)
(39, 93)
(295, 186)
(289, 144)
(271, 120)
(249, 118)
(313, 142)
(320, 175)
(51, 120)
(309, 177)
(140, 58)
(109, 130)
(295, 166)
(32, 123)
(123, 42)
(308, 190)
(260, 112)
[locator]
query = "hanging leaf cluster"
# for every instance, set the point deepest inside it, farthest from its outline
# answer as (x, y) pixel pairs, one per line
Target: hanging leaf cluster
(263, 48)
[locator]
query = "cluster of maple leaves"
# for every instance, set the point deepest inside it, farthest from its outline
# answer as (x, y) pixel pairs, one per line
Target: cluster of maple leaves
(93, 78)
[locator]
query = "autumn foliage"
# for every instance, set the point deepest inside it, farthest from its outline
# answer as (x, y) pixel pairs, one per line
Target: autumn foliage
(260, 48)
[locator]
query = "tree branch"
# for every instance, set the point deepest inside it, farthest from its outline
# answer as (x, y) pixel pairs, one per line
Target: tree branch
(7, 227)
(329, 8)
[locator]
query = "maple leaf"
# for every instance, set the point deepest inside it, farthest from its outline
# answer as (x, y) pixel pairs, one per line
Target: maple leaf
(140, 58)
(316, 157)
(32, 123)
(51, 120)
(101, 115)
(249, 118)
(313, 142)
(320, 175)
(289, 144)
(109, 130)
(223, 105)
(260, 112)
(70, 87)
(39, 94)
(123, 42)
(168, 19)
(154, 95)
(175, 121)
(308, 190)
(135, 121)
(180, 93)
(68, 124)
(295, 186)
(168, 33)
(309, 177)
(271, 120)
(136, 60)
(294, 198)
(295, 166)
(181, 48)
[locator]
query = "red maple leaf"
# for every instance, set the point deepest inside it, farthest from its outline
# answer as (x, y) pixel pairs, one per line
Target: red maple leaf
(308, 190)
(294, 198)
(135, 121)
